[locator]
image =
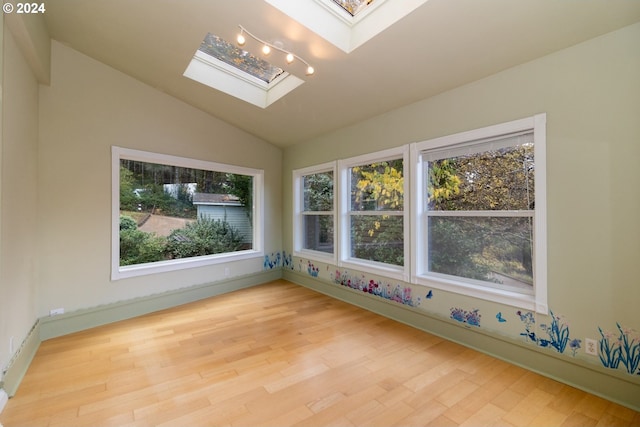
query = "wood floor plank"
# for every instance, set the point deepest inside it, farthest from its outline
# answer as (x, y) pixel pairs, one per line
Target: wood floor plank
(280, 354)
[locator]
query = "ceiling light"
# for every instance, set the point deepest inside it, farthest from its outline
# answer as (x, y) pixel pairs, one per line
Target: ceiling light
(267, 47)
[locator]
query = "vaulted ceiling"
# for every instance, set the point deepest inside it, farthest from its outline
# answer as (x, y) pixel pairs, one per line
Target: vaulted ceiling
(439, 46)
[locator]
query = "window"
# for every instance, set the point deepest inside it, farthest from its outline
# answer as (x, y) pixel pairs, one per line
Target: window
(314, 212)
(480, 213)
(353, 6)
(374, 222)
(244, 61)
(347, 24)
(223, 66)
(171, 212)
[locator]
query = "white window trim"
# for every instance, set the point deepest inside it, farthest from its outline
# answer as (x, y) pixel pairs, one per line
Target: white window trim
(219, 75)
(118, 272)
(344, 234)
(537, 301)
(335, 25)
(298, 208)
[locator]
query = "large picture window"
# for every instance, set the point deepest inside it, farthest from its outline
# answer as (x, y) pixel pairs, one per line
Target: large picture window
(314, 212)
(374, 220)
(480, 213)
(171, 212)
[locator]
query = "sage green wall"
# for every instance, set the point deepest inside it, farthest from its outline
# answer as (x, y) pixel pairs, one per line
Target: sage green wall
(591, 94)
(88, 108)
(18, 202)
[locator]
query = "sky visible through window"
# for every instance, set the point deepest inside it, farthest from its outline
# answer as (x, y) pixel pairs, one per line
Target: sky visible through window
(242, 60)
(353, 6)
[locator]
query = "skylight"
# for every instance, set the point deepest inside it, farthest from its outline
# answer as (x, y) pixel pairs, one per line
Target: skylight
(347, 24)
(224, 66)
(241, 59)
(353, 6)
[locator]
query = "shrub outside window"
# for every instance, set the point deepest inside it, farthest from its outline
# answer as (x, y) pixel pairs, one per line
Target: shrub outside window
(171, 213)
(481, 213)
(314, 212)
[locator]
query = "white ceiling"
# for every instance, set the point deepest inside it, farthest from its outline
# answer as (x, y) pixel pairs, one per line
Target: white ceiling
(441, 45)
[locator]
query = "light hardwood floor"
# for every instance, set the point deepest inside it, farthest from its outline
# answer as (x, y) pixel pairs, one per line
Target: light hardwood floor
(282, 355)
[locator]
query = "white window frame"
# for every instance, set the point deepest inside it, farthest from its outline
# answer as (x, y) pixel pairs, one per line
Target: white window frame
(120, 272)
(331, 22)
(419, 273)
(344, 234)
(299, 213)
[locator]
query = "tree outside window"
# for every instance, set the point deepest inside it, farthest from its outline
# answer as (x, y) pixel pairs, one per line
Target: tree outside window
(318, 211)
(376, 212)
(480, 209)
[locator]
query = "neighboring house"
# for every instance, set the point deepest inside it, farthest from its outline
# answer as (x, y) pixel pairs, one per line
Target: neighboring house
(225, 207)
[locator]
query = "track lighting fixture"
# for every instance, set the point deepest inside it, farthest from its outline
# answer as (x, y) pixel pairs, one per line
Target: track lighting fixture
(241, 40)
(268, 47)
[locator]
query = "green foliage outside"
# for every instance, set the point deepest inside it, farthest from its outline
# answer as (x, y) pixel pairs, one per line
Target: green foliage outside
(378, 187)
(473, 246)
(203, 237)
(128, 198)
(148, 188)
(138, 247)
(318, 192)
(242, 186)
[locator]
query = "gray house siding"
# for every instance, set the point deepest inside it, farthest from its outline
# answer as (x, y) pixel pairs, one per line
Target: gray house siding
(236, 216)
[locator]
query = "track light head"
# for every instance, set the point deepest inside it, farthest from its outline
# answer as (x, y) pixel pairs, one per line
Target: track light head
(268, 47)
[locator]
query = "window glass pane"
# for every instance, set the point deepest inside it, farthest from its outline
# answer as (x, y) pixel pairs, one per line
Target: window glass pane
(501, 179)
(377, 186)
(353, 6)
(318, 192)
(170, 212)
(378, 238)
(496, 250)
(318, 233)
(229, 53)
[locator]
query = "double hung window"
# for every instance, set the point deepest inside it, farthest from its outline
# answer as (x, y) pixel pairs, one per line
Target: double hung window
(473, 223)
(315, 212)
(480, 213)
(374, 220)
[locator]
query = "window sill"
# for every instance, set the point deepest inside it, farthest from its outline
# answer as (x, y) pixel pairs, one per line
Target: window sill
(502, 296)
(125, 272)
(316, 256)
(380, 269)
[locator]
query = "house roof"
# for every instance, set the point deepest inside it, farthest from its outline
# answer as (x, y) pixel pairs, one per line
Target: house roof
(441, 45)
(216, 199)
